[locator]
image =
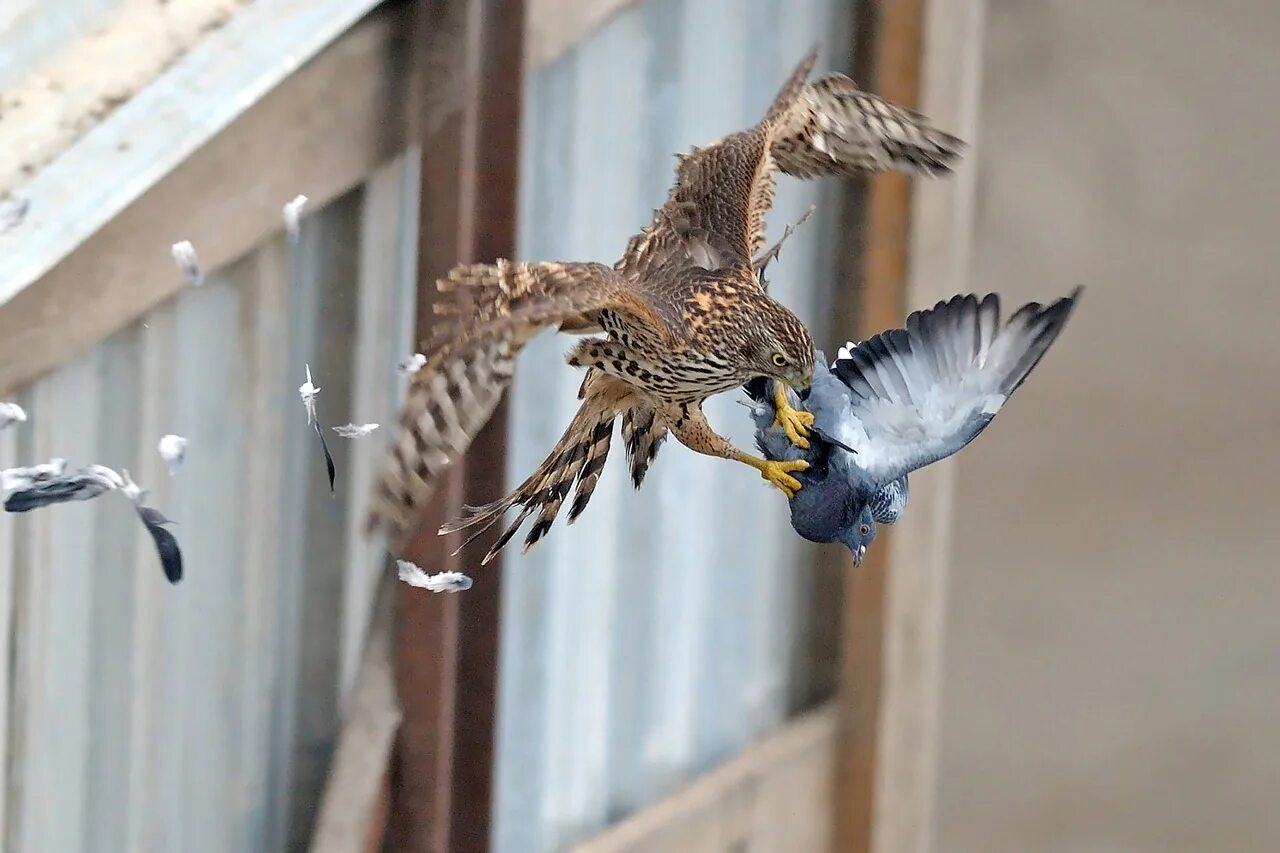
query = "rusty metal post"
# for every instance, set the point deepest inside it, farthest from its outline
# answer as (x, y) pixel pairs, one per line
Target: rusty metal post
(468, 102)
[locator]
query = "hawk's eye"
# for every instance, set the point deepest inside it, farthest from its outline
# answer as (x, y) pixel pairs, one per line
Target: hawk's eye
(779, 360)
(865, 530)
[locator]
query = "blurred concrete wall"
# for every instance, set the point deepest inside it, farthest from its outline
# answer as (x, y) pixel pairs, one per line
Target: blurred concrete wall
(1113, 647)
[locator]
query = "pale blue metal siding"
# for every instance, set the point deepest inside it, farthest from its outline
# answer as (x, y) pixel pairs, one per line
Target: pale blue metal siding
(660, 633)
(201, 717)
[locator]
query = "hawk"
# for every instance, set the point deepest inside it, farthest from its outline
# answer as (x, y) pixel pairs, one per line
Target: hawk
(685, 314)
(902, 400)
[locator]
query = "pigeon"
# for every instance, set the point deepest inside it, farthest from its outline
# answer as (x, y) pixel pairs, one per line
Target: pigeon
(173, 450)
(900, 401)
(11, 413)
(442, 582)
(48, 484)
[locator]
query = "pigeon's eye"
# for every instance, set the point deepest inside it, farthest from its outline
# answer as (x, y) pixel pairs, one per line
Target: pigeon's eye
(865, 530)
(779, 360)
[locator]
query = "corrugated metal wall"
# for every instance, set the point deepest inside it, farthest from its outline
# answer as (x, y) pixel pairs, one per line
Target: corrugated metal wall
(665, 629)
(142, 716)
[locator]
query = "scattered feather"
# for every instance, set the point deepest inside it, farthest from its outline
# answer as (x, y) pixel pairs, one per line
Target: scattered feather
(82, 485)
(293, 217)
(328, 457)
(354, 430)
(442, 582)
(185, 255)
(411, 365)
(13, 211)
(45, 485)
(166, 544)
(12, 479)
(11, 413)
(308, 391)
(130, 489)
(173, 450)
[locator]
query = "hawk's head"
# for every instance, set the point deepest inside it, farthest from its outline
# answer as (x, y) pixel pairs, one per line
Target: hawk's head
(781, 347)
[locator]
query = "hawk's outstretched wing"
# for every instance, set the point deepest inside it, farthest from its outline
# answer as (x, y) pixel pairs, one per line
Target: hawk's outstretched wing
(498, 308)
(714, 214)
(834, 128)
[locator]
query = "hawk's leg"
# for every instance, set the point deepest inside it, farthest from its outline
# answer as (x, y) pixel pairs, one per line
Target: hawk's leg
(690, 426)
(794, 422)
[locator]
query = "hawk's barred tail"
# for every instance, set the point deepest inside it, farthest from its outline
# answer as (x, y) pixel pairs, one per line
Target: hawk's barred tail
(578, 458)
(447, 403)
(643, 431)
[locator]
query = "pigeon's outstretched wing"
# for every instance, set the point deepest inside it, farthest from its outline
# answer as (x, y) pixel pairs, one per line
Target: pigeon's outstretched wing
(909, 397)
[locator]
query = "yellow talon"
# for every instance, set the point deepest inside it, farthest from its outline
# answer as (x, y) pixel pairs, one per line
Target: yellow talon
(794, 422)
(778, 474)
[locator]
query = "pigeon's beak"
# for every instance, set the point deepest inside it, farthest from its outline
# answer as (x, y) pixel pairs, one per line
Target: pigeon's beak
(858, 555)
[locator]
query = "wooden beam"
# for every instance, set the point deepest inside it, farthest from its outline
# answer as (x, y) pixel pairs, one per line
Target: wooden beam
(56, 305)
(886, 60)
(915, 595)
(352, 812)
(773, 797)
(469, 104)
(923, 53)
(555, 26)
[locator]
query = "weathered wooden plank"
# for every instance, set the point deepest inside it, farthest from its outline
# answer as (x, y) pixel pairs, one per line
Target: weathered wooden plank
(105, 55)
(60, 302)
(556, 26)
(941, 236)
(204, 90)
(773, 796)
(347, 814)
(886, 58)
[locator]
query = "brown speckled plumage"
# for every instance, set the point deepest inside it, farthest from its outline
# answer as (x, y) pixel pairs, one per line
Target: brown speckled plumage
(684, 314)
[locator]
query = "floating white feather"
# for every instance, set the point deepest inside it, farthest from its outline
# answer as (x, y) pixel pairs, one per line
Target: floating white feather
(442, 582)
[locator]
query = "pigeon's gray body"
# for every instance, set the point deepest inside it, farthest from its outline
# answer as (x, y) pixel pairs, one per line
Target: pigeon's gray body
(900, 401)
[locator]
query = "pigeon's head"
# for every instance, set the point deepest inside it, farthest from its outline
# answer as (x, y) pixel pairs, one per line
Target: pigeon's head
(781, 348)
(860, 534)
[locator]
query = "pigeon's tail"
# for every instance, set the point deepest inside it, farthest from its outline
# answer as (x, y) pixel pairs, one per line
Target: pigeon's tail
(578, 458)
